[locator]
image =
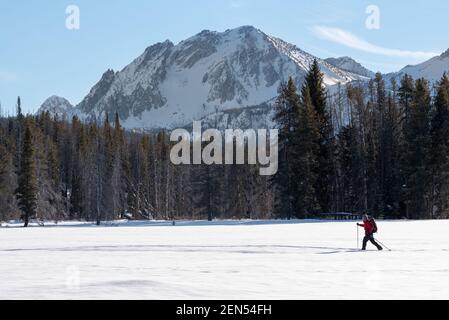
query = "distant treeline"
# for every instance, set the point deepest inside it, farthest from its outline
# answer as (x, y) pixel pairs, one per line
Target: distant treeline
(53, 169)
(364, 148)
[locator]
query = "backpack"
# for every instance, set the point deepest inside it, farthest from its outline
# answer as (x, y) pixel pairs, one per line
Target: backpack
(373, 222)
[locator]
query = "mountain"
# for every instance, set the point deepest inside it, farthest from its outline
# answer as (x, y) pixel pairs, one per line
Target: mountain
(226, 78)
(56, 105)
(349, 64)
(431, 70)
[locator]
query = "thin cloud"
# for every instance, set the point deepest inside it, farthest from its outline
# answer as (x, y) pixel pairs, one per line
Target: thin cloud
(235, 4)
(352, 41)
(8, 77)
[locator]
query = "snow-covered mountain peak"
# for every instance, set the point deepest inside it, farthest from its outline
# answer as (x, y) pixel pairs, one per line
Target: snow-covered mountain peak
(231, 75)
(241, 32)
(56, 105)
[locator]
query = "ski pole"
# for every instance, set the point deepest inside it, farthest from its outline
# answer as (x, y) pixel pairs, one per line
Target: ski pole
(357, 236)
(383, 245)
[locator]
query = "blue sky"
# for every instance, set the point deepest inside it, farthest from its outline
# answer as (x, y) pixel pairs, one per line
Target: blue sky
(40, 57)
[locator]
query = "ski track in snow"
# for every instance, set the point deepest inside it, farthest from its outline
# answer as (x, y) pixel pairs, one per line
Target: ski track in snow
(224, 260)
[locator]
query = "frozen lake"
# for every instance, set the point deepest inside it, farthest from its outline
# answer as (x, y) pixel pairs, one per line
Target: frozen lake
(224, 260)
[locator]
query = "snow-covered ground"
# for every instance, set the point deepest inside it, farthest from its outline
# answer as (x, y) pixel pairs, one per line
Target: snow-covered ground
(224, 260)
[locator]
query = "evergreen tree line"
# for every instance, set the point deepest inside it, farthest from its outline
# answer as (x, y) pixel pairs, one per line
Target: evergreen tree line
(360, 148)
(379, 149)
(59, 170)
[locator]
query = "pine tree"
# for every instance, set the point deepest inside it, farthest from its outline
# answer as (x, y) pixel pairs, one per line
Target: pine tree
(440, 150)
(385, 141)
(121, 170)
(117, 125)
(92, 177)
(26, 192)
(142, 178)
(4, 159)
(53, 163)
(8, 177)
(325, 171)
(379, 142)
(286, 117)
(359, 128)
(405, 93)
(314, 81)
(416, 157)
(77, 202)
(118, 183)
(391, 142)
(305, 165)
(19, 109)
(19, 127)
(346, 152)
(106, 167)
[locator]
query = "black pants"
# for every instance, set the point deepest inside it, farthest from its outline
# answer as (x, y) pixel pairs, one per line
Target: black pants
(370, 237)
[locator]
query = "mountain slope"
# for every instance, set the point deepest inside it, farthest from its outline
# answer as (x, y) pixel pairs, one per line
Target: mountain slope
(432, 69)
(349, 64)
(230, 77)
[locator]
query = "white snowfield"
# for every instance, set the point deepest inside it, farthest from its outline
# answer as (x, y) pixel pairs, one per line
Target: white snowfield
(224, 260)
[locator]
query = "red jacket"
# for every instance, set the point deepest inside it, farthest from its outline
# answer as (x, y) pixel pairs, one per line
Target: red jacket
(369, 227)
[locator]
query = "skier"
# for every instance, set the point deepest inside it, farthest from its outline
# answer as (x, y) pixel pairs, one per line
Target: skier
(370, 228)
